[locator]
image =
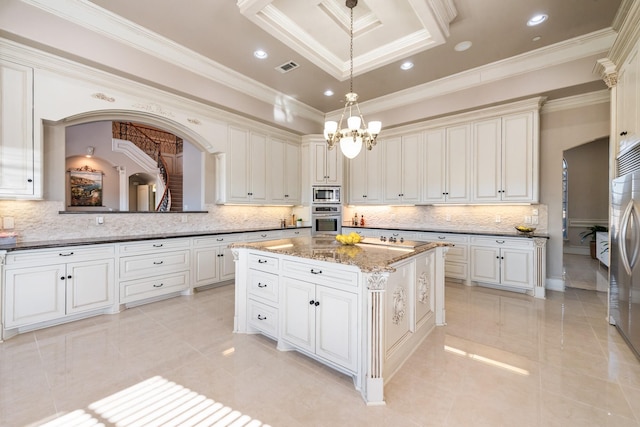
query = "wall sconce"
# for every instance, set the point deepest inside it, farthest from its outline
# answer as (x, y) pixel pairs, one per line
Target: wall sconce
(90, 151)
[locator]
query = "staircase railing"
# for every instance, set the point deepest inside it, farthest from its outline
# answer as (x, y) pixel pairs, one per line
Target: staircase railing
(140, 137)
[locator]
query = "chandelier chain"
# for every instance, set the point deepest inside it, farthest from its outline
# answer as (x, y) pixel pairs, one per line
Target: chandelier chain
(351, 54)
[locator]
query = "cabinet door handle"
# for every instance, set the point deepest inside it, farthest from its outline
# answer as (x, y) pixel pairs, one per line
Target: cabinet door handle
(262, 285)
(158, 286)
(158, 263)
(67, 254)
(314, 271)
(261, 317)
(158, 245)
(262, 261)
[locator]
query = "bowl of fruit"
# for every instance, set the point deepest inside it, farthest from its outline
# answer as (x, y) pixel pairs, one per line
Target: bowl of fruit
(523, 229)
(349, 239)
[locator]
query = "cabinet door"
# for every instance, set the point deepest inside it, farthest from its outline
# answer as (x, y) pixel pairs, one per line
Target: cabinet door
(518, 158)
(277, 171)
(392, 169)
(333, 166)
(205, 270)
(90, 285)
(458, 164)
(516, 268)
(411, 167)
(298, 313)
(487, 155)
(227, 265)
(258, 168)
(485, 264)
(18, 176)
(292, 173)
(358, 175)
(34, 295)
(337, 326)
(238, 185)
(434, 178)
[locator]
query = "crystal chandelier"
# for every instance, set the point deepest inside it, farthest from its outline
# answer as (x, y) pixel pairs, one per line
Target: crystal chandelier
(356, 133)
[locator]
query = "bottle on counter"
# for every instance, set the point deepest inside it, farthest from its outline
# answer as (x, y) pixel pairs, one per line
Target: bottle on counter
(361, 220)
(355, 220)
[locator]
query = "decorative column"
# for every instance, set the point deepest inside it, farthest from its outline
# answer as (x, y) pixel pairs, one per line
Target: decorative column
(373, 389)
(539, 267)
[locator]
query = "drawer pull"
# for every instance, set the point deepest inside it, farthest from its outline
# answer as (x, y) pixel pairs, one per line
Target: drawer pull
(158, 286)
(158, 245)
(314, 271)
(158, 263)
(263, 235)
(262, 261)
(499, 242)
(67, 254)
(261, 317)
(262, 285)
(220, 240)
(441, 237)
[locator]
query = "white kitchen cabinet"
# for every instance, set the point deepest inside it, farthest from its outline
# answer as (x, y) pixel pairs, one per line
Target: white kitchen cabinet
(20, 167)
(40, 288)
(628, 100)
(447, 160)
(502, 261)
(457, 259)
(402, 168)
(365, 177)
(212, 259)
(319, 319)
(242, 170)
(284, 172)
(153, 268)
(505, 159)
(326, 165)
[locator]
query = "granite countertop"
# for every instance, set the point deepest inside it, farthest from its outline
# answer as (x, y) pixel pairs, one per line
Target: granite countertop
(367, 257)
(513, 233)
(45, 244)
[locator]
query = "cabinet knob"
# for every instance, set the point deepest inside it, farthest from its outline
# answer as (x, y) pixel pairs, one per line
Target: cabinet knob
(69, 277)
(312, 302)
(29, 180)
(317, 303)
(61, 277)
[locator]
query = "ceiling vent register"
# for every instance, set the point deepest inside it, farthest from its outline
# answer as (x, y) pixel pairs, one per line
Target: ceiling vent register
(287, 66)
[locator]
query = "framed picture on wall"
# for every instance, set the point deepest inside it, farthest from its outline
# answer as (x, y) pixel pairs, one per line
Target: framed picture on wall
(86, 186)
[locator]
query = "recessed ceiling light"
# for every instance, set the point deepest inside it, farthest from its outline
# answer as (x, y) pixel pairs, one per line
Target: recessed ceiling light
(537, 19)
(328, 92)
(406, 65)
(260, 54)
(462, 46)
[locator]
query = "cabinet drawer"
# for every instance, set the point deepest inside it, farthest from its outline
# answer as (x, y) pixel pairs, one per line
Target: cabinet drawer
(459, 253)
(315, 273)
(263, 262)
(502, 242)
(150, 287)
(151, 265)
(456, 270)
(221, 240)
(442, 237)
(153, 246)
(263, 285)
(55, 256)
(263, 317)
(263, 235)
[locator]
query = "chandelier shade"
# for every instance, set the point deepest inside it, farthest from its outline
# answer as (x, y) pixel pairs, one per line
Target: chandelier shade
(357, 132)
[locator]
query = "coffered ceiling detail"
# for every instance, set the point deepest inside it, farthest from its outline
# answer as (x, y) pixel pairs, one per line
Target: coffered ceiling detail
(384, 31)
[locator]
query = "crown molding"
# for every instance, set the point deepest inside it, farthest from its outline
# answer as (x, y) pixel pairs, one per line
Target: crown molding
(557, 54)
(110, 25)
(628, 19)
(577, 101)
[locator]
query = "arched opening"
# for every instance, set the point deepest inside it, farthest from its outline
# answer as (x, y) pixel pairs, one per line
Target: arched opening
(120, 159)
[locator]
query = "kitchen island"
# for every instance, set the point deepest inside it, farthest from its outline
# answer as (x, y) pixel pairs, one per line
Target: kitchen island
(361, 309)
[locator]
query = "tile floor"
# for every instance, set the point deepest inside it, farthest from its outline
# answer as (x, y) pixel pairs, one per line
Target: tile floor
(584, 272)
(504, 359)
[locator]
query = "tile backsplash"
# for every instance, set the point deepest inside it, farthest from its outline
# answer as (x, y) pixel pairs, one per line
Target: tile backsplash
(41, 220)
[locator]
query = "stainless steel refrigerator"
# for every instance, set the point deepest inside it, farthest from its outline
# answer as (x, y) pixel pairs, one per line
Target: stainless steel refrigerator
(624, 290)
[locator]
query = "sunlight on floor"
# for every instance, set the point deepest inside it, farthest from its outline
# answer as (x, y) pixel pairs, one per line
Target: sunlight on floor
(156, 402)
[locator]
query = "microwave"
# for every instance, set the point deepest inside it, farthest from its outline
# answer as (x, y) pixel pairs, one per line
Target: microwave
(326, 194)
